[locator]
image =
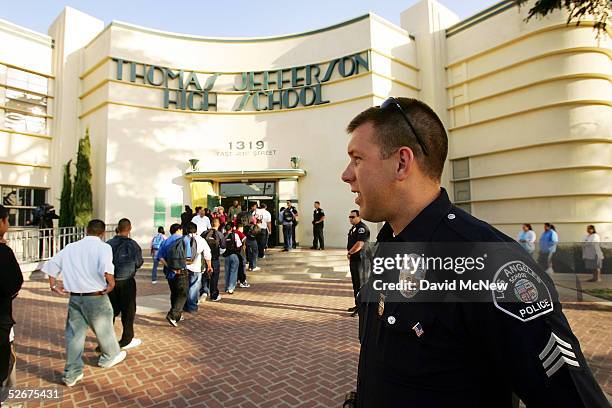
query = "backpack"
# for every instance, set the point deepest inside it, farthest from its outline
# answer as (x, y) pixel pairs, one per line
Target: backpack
(212, 239)
(244, 218)
(252, 232)
(124, 259)
(288, 216)
(230, 245)
(178, 255)
(157, 241)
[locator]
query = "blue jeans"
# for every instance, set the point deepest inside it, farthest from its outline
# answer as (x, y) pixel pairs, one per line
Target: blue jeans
(231, 272)
(155, 265)
(251, 252)
(95, 312)
(288, 236)
(193, 295)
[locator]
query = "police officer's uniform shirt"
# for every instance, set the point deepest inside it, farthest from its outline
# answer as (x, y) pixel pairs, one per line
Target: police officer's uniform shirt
(317, 215)
(358, 232)
(459, 354)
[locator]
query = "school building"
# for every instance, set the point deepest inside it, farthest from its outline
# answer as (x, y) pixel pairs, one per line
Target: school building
(180, 119)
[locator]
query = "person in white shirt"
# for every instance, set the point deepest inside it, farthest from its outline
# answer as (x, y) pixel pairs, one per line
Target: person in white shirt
(527, 238)
(264, 222)
(88, 276)
(201, 221)
(592, 253)
(196, 267)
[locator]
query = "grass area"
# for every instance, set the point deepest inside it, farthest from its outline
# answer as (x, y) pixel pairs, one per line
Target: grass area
(601, 293)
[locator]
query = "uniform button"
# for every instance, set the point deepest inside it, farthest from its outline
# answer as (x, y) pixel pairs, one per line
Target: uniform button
(451, 216)
(391, 320)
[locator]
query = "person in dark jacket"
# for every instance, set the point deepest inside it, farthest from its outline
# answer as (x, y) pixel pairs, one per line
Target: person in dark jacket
(127, 258)
(186, 218)
(11, 280)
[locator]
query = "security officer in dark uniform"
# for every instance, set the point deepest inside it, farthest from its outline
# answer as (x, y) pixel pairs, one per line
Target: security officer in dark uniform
(318, 220)
(455, 353)
(358, 235)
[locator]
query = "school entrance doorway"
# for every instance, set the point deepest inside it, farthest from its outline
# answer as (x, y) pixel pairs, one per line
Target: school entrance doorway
(247, 193)
(270, 186)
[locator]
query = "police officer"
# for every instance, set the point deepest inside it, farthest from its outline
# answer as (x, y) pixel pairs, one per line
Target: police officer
(318, 218)
(358, 235)
(451, 354)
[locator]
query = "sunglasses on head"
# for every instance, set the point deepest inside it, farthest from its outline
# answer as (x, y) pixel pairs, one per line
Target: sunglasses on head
(391, 103)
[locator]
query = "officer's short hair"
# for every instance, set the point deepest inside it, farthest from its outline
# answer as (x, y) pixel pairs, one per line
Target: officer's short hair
(4, 212)
(392, 132)
(356, 212)
(316, 202)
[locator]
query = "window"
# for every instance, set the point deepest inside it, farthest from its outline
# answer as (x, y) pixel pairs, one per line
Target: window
(21, 202)
(467, 207)
(462, 191)
(247, 189)
(26, 80)
(461, 169)
(25, 103)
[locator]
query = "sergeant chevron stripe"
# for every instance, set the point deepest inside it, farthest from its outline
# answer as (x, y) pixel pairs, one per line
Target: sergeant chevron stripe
(561, 353)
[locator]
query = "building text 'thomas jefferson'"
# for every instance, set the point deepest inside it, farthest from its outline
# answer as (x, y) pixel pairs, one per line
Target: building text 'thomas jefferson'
(284, 88)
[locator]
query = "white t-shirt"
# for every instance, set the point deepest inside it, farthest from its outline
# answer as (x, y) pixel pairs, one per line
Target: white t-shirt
(203, 223)
(82, 265)
(263, 218)
(202, 249)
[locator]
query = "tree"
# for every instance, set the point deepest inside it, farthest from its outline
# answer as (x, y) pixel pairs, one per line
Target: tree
(578, 10)
(82, 195)
(66, 206)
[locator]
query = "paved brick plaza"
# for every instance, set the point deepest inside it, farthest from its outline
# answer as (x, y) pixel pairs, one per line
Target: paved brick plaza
(277, 344)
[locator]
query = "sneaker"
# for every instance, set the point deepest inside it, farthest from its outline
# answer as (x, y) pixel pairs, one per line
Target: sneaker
(132, 344)
(218, 298)
(313, 247)
(245, 284)
(118, 358)
(285, 250)
(73, 382)
(172, 321)
(182, 318)
(229, 292)
(255, 269)
(153, 282)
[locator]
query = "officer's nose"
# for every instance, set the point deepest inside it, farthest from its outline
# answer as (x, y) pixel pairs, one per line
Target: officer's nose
(348, 175)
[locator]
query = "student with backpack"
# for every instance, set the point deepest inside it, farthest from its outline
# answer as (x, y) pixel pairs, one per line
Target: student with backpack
(174, 253)
(201, 262)
(231, 254)
(210, 280)
(155, 244)
(252, 233)
(127, 258)
(287, 217)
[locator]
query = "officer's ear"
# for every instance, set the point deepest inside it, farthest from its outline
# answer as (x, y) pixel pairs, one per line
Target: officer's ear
(405, 163)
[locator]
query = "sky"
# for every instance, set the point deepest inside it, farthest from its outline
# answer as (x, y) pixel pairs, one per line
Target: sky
(242, 18)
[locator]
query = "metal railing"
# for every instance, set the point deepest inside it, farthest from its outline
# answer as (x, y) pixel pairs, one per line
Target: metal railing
(39, 244)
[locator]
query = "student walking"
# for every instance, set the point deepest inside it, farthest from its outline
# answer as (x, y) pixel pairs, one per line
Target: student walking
(155, 244)
(127, 258)
(548, 247)
(201, 262)
(264, 222)
(592, 254)
(252, 232)
(173, 255)
(527, 238)
(287, 216)
(11, 280)
(87, 270)
(231, 254)
(216, 242)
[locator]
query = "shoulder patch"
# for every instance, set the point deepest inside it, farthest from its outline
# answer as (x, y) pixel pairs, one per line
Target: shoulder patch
(522, 294)
(361, 230)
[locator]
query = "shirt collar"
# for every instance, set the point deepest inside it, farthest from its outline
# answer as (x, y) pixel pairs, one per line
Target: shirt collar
(421, 228)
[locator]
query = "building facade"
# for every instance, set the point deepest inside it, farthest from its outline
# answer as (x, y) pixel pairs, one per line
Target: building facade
(178, 119)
